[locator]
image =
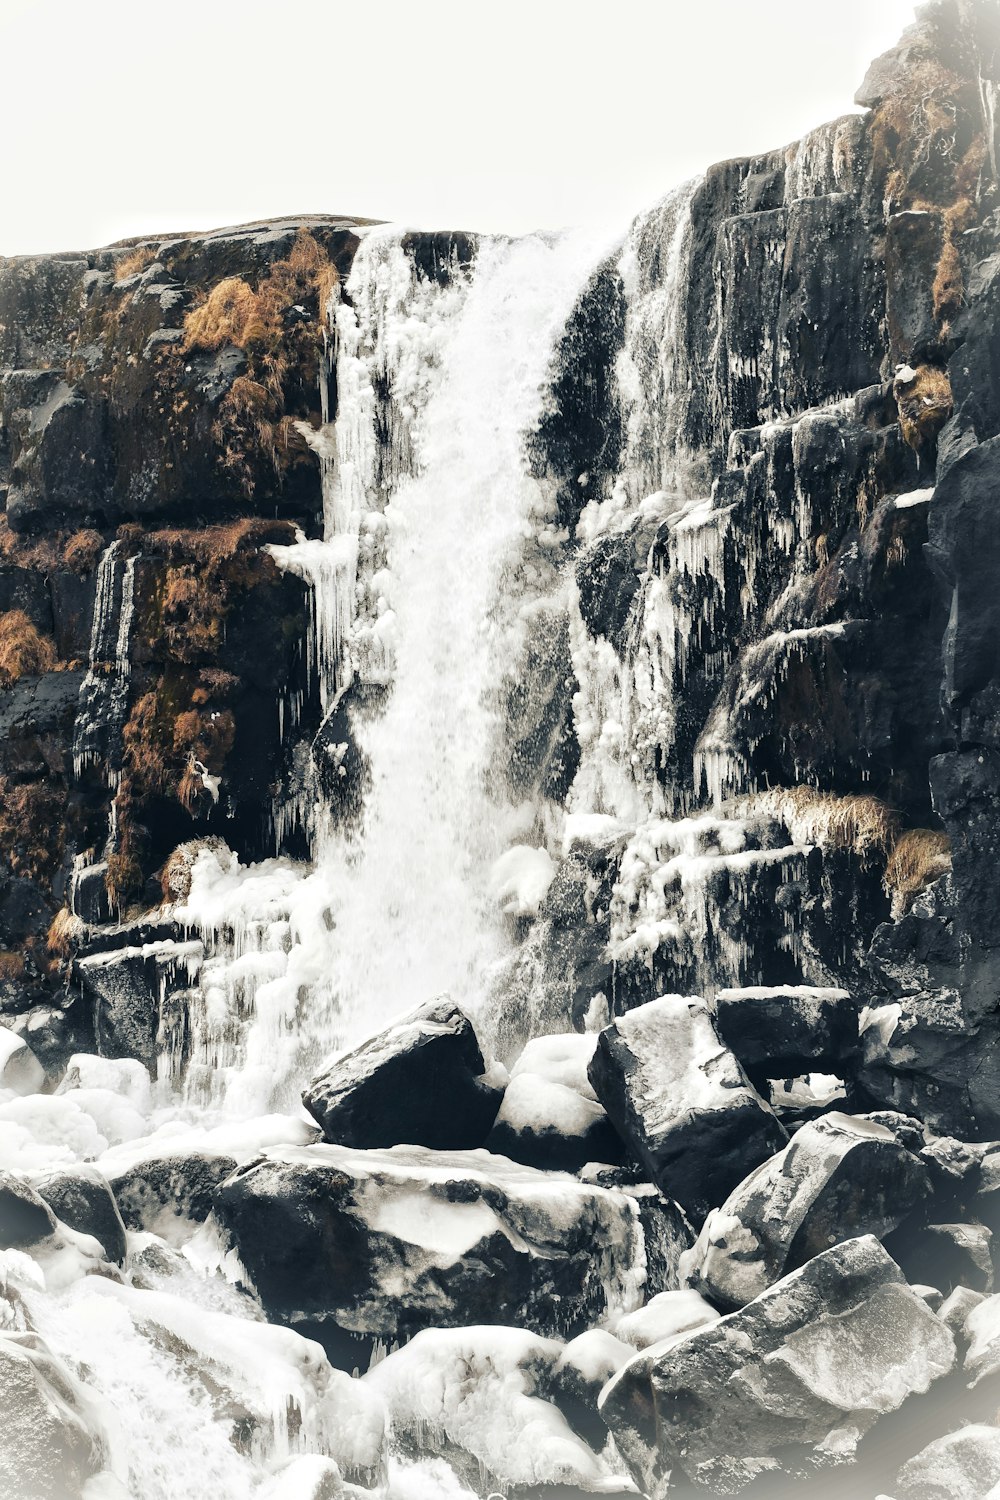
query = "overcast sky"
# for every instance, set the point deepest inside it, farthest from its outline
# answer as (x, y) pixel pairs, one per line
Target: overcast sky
(121, 117)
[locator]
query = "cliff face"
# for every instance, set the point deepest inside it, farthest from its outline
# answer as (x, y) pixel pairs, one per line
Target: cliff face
(804, 343)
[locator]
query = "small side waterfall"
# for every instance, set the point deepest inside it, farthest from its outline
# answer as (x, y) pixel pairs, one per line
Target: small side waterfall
(104, 692)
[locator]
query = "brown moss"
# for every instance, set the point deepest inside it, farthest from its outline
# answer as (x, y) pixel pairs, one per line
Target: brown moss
(24, 651)
(11, 966)
(31, 827)
(250, 420)
(82, 552)
(919, 856)
(136, 260)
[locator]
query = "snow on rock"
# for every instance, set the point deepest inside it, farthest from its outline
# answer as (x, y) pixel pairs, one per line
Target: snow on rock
(20, 1070)
(581, 1372)
(964, 1465)
(308, 1477)
(47, 1130)
(469, 1395)
(546, 1124)
(52, 1439)
(115, 1075)
(520, 879)
(838, 1175)
(791, 1382)
(668, 1315)
(384, 1243)
(680, 1100)
(422, 1081)
(81, 1197)
(563, 1058)
(789, 1030)
(956, 1307)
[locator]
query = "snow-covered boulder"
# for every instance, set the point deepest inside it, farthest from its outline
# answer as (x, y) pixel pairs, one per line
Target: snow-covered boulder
(789, 1030)
(20, 1070)
(791, 1382)
(168, 1193)
(837, 1176)
(420, 1082)
(384, 1243)
(964, 1465)
(545, 1124)
(308, 1477)
(25, 1217)
(470, 1396)
(82, 1198)
(681, 1101)
(51, 1441)
(579, 1375)
(665, 1316)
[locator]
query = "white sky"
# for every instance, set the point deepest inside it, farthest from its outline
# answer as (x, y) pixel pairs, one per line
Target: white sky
(122, 117)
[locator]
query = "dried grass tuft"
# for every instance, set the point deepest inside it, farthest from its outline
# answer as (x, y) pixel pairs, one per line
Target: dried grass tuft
(24, 651)
(865, 826)
(919, 856)
(65, 930)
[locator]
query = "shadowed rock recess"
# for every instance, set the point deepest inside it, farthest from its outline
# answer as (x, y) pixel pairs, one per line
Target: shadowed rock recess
(499, 841)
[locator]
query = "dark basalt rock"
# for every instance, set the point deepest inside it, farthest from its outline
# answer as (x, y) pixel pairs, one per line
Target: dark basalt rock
(839, 1176)
(964, 1463)
(380, 1244)
(761, 1391)
(785, 1032)
(82, 1198)
(25, 1217)
(420, 1082)
(681, 1102)
(608, 581)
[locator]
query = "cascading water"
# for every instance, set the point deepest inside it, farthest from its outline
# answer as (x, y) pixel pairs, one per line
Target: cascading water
(433, 524)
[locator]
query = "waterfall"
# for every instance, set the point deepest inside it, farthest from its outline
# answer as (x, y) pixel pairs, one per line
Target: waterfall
(104, 691)
(430, 506)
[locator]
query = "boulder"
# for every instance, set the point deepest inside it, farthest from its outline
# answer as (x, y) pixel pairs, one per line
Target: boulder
(52, 1442)
(308, 1477)
(838, 1175)
(384, 1243)
(470, 1396)
(20, 1070)
(25, 1217)
(420, 1082)
(964, 1465)
(82, 1198)
(548, 1125)
(788, 1030)
(789, 1383)
(681, 1101)
(168, 1194)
